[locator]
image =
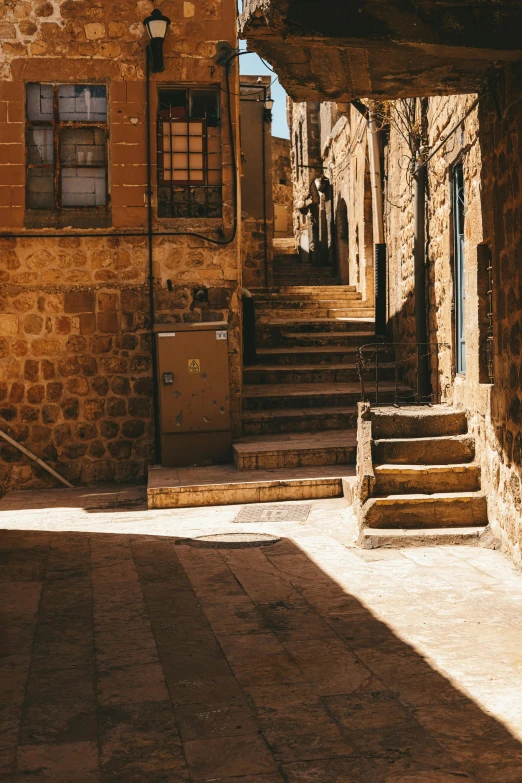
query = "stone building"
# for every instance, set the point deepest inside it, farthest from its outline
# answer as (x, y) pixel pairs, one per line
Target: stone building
(332, 193)
(461, 143)
(282, 188)
(257, 210)
(76, 361)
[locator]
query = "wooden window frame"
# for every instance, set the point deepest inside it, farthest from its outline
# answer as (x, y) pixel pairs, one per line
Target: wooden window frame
(56, 166)
(190, 184)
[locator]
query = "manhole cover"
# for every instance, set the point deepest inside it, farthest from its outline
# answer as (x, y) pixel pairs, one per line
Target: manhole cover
(275, 513)
(233, 540)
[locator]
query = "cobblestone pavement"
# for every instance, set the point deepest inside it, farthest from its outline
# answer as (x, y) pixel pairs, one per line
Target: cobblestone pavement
(131, 656)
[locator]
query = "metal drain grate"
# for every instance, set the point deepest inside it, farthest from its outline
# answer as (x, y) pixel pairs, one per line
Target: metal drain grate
(232, 540)
(282, 512)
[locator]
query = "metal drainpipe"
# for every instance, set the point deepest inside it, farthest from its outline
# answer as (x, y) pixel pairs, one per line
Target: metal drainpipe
(263, 153)
(155, 386)
(378, 227)
(419, 238)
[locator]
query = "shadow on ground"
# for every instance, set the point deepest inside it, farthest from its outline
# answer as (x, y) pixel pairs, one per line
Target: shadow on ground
(142, 659)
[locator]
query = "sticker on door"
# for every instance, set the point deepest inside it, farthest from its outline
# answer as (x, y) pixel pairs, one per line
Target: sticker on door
(194, 366)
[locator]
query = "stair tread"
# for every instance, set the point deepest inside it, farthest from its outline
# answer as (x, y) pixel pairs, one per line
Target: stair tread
(297, 413)
(306, 389)
(288, 290)
(297, 441)
(452, 468)
(305, 349)
(329, 335)
(219, 475)
(412, 439)
(425, 410)
(376, 537)
(301, 367)
(384, 500)
(284, 321)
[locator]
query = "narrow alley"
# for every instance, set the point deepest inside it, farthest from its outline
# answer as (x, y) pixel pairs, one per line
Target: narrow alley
(138, 651)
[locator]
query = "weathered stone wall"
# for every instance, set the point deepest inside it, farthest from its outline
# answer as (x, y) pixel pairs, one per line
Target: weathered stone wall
(489, 149)
(257, 211)
(75, 345)
(282, 187)
(340, 218)
(307, 165)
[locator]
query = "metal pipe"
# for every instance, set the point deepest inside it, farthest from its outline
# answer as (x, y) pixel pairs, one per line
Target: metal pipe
(36, 459)
(375, 175)
(150, 237)
(419, 236)
(380, 273)
(263, 163)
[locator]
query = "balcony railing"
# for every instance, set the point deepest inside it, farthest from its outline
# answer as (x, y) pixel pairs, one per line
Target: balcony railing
(389, 373)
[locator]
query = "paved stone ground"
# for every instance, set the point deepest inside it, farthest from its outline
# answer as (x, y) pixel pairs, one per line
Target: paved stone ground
(130, 656)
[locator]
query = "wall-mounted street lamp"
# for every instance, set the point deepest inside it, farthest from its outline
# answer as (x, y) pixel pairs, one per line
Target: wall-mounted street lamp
(156, 25)
(269, 105)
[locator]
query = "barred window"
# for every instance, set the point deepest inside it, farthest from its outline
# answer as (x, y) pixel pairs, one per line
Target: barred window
(66, 146)
(189, 153)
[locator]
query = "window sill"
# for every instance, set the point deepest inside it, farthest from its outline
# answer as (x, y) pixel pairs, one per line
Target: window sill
(68, 218)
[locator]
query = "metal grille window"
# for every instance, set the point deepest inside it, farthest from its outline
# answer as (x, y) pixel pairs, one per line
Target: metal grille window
(189, 153)
(66, 146)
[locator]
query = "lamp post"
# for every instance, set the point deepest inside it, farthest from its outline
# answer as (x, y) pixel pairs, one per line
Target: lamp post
(156, 25)
(269, 105)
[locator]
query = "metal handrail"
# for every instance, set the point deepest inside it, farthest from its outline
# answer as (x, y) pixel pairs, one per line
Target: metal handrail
(402, 361)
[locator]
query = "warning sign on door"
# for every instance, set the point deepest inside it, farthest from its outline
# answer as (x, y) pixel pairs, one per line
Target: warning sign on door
(194, 365)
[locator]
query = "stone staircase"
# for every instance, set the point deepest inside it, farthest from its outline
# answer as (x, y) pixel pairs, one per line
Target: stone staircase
(417, 480)
(299, 399)
(289, 269)
(299, 405)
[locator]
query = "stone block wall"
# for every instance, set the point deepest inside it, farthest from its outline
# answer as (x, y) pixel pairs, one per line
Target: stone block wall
(75, 342)
(257, 213)
(282, 186)
(488, 146)
(75, 366)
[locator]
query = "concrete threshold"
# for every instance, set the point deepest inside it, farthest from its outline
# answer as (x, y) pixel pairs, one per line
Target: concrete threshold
(224, 485)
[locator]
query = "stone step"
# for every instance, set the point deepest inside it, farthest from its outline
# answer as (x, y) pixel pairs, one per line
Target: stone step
(374, 538)
(284, 246)
(320, 339)
(330, 354)
(269, 314)
(300, 325)
(298, 420)
(288, 252)
(303, 274)
(417, 422)
(292, 263)
(309, 300)
(307, 303)
(306, 395)
(449, 509)
(297, 450)
(325, 324)
(312, 281)
(222, 485)
(446, 450)
(426, 479)
(302, 290)
(311, 373)
(353, 310)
